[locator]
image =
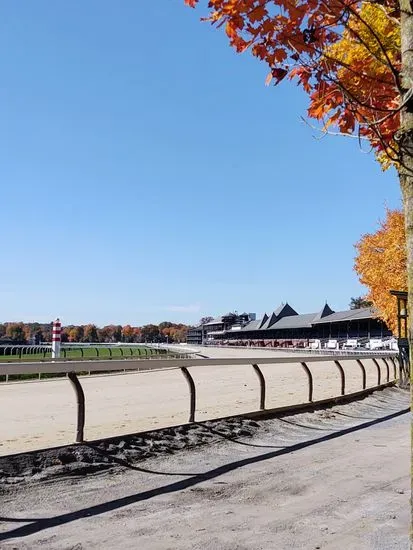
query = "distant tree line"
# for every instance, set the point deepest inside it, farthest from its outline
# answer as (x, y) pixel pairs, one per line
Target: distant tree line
(35, 333)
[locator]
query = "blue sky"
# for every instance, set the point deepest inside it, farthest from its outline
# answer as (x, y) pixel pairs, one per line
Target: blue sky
(148, 174)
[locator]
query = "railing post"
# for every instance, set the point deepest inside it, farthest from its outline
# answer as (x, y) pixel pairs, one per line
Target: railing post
(80, 399)
(387, 368)
(261, 378)
(363, 371)
(378, 371)
(342, 376)
(192, 393)
(402, 369)
(392, 359)
(310, 381)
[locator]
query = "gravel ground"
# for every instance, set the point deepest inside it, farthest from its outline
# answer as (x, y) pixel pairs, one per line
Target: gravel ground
(332, 479)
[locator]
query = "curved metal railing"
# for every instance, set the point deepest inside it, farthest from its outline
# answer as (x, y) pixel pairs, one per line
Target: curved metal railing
(388, 371)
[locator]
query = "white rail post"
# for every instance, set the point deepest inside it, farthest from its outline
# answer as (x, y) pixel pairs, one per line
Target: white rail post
(56, 338)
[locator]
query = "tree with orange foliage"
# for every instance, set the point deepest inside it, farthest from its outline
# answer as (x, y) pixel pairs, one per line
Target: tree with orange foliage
(76, 334)
(90, 333)
(128, 334)
(345, 54)
(16, 332)
(354, 58)
(381, 264)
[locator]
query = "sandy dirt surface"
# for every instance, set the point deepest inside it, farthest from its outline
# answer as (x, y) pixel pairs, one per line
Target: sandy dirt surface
(331, 479)
(41, 414)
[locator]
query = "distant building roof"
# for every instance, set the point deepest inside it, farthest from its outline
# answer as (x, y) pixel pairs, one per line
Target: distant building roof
(348, 315)
(284, 310)
(215, 321)
(306, 320)
(294, 321)
(262, 321)
(253, 325)
(323, 313)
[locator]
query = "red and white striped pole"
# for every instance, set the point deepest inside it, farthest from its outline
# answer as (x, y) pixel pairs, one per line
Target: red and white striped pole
(56, 338)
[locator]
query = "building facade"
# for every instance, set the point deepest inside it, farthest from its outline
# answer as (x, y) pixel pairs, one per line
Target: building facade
(216, 328)
(285, 327)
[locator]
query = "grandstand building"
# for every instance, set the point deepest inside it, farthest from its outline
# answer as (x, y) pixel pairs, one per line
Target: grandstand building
(285, 327)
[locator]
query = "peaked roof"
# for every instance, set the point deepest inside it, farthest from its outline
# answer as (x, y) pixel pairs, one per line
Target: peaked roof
(284, 310)
(295, 321)
(323, 313)
(263, 320)
(348, 315)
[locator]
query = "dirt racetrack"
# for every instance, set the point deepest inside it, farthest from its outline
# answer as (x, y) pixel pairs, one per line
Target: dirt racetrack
(332, 479)
(42, 414)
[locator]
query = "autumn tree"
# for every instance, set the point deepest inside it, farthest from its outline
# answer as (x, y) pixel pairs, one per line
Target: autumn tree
(353, 58)
(103, 334)
(27, 331)
(65, 336)
(179, 333)
(76, 334)
(150, 333)
(117, 333)
(47, 332)
(128, 334)
(16, 332)
(164, 325)
(90, 334)
(381, 264)
(24, 332)
(109, 333)
(167, 333)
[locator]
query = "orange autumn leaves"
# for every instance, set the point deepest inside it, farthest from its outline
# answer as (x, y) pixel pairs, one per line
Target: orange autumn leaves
(381, 265)
(344, 53)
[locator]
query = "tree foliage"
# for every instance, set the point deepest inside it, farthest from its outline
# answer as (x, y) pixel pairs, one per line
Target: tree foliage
(16, 332)
(90, 334)
(381, 264)
(205, 320)
(360, 302)
(344, 53)
(37, 333)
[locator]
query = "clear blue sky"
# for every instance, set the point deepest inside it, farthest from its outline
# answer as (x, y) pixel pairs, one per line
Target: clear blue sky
(147, 173)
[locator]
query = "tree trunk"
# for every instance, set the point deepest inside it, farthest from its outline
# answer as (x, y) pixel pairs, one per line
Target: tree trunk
(406, 173)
